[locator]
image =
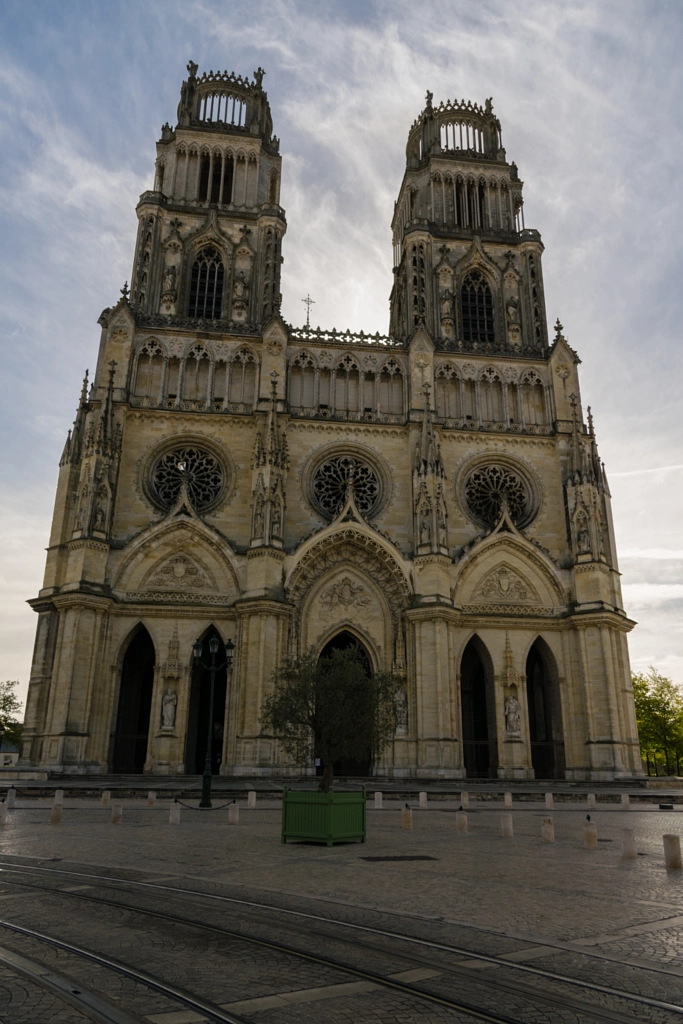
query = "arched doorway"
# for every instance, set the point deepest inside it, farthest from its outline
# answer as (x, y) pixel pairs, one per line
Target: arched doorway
(135, 703)
(198, 717)
(479, 745)
(344, 641)
(545, 714)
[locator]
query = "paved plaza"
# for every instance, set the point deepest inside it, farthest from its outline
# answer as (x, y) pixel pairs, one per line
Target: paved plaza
(557, 906)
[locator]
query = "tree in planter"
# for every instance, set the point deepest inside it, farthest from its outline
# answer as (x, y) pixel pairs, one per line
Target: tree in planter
(659, 713)
(331, 707)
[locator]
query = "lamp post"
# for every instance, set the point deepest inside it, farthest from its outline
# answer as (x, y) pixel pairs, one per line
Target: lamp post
(212, 669)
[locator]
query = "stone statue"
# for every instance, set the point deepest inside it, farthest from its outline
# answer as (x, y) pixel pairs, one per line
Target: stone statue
(442, 529)
(512, 715)
(425, 530)
(512, 310)
(277, 521)
(258, 77)
(584, 540)
(240, 288)
(258, 520)
(99, 518)
(169, 704)
(447, 305)
(169, 280)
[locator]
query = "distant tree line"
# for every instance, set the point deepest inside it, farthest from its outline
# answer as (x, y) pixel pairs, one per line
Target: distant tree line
(659, 711)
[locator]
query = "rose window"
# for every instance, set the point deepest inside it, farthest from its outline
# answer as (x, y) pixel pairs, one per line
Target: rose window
(485, 489)
(330, 482)
(203, 473)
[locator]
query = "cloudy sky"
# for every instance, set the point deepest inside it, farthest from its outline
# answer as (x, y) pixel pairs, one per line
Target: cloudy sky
(589, 95)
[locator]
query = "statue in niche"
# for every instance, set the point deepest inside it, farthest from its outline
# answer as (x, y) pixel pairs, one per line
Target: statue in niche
(258, 520)
(401, 712)
(447, 305)
(425, 528)
(512, 715)
(512, 310)
(99, 518)
(442, 528)
(169, 286)
(169, 705)
(240, 288)
(584, 539)
(277, 521)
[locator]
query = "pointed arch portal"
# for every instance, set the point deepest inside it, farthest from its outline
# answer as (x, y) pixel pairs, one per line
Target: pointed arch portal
(135, 703)
(479, 746)
(545, 713)
(198, 717)
(345, 641)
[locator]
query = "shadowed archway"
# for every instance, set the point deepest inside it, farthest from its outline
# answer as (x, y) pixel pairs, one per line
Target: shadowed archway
(345, 641)
(135, 703)
(545, 713)
(198, 717)
(479, 745)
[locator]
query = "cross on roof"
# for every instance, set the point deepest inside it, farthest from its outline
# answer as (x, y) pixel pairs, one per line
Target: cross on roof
(309, 302)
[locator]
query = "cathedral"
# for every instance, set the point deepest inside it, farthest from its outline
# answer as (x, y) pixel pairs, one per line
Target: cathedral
(433, 495)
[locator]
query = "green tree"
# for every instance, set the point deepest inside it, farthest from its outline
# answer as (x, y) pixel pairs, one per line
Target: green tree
(659, 712)
(10, 706)
(329, 708)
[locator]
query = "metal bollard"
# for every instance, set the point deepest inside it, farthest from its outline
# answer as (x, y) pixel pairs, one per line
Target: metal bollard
(251, 798)
(56, 814)
(11, 797)
(507, 799)
(59, 796)
(407, 818)
(423, 799)
(3, 812)
(464, 800)
(106, 797)
(672, 852)
(174, 813)
(625, 802)
(151, 798)
(548, 830)
(549, 801)
(590, 799)
(378, 800)
(233, 813)
(590, 836)
(461, 822)
(628, 844)
(506, 827)
(116, 812)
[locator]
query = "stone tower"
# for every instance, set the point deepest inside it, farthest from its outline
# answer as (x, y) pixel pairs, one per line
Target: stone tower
(432, 495)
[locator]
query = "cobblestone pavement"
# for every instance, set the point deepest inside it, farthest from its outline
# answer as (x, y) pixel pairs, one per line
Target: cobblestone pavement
(557, 908)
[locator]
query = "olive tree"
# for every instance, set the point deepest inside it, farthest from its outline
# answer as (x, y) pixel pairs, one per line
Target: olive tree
(330, 708)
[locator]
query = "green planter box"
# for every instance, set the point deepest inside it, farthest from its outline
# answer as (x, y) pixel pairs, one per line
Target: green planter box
(323, 817)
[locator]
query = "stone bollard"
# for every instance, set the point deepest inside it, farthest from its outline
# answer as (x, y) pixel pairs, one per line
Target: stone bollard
(628, 844)
(461, 822)
(56, 813)
(378, 801)
(549, 801)
(407, 818)
(233, 813)
(548, 830)
(251, 798)
(672, 852)
(106, 797)
(625, 802)
(3, 812)
(174, 813)
(507, 799)
(591, 800)
(506, 828)
(151, 798)
(423, 799)
(116, 812)
(11, 797)
(590, 836)
(59, 796)
(464, 800)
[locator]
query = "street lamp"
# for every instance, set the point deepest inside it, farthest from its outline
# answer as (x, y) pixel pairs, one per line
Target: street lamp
(212, 669)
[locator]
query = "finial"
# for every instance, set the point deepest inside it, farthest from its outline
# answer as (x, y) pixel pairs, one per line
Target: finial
(112, 370)
(246, 230)
(309, 302)
(124, 291)
(427, 387)
(273, 382)
(558, 328)
(590, 420)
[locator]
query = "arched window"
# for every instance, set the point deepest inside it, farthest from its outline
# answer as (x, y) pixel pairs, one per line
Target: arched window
(347, 390)
(149, 370)
(302, 382)
(391, 389)
(491, 395)
(477, 308)
(243, 378)
(448, 393)
(196, 379)
(533, 403)
(206, 285)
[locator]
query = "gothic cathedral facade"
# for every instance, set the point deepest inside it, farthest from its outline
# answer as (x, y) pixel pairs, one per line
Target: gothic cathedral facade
(434, 494)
